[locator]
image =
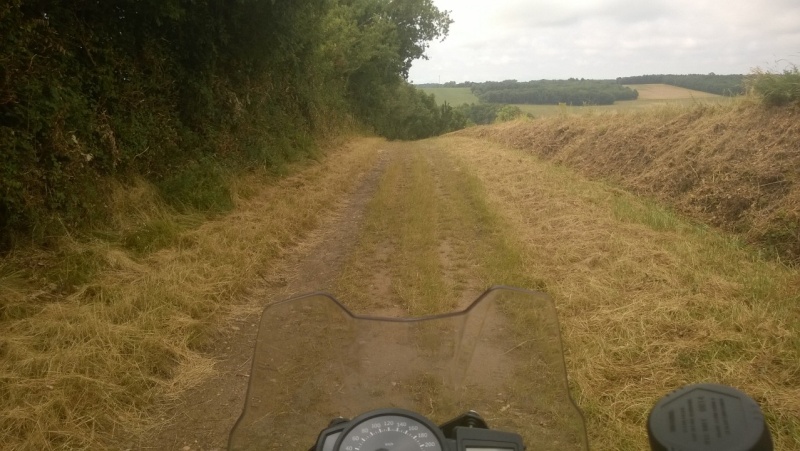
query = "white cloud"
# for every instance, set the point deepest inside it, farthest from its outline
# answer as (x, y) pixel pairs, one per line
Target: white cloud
(533, 39)
(560, 13)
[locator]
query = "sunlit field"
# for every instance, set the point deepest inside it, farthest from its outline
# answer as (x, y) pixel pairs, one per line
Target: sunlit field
(453, 96)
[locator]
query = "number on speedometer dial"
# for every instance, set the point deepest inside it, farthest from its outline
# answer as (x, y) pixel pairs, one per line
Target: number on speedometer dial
(391, 430)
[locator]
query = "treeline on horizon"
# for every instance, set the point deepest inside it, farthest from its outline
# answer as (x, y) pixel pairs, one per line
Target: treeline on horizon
(182, 92)
(725, 85)
(553, 92)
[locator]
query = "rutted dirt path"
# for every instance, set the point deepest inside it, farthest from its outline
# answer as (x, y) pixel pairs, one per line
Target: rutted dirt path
(407, 242)
(648, 301)
(204, 417)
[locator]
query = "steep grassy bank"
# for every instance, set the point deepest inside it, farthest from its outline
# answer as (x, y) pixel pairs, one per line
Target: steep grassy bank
(647, 301)
(733, 166)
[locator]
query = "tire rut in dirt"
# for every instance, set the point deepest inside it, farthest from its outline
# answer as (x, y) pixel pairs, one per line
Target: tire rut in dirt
(204, 417)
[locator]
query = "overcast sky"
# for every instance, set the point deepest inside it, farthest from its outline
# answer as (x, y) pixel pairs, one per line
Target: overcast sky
(558, 39)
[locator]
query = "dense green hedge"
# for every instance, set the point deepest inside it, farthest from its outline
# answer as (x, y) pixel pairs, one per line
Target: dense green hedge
(92, 89)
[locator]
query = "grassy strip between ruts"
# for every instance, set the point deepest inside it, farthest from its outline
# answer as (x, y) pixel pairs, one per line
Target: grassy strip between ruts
(79, 370)
(429, 239)
(648, 301)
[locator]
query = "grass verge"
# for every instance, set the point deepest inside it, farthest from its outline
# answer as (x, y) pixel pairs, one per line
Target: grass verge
(776, 88)
(96, 336)
(648, 302)
(731, 166)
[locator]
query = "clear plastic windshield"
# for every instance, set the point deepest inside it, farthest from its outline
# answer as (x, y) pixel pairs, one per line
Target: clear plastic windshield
(501, 357)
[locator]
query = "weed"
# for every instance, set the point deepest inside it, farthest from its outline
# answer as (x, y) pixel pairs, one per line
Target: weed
(202, 186)
(152, 236)
(776, 88)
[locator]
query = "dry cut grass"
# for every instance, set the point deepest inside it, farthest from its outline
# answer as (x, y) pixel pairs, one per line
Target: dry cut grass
(734, 166)
(648, 301)
(97, 335)
(431, 244)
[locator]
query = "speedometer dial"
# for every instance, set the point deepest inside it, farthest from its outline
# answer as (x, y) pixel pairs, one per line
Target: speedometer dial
(391, 430)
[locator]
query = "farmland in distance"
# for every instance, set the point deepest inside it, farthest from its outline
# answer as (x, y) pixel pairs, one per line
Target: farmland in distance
(453, 96)
(649, 95)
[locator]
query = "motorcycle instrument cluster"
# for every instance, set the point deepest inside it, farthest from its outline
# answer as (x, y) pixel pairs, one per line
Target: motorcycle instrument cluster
(391, 431)
(404, 430)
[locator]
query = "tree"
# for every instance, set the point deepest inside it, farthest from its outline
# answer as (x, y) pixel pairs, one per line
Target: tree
(418, 22)
(508, 113)
(94, 89)
(375, 44)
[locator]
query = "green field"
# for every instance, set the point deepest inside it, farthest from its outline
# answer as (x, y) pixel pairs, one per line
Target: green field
(649, 95)
(453, 96)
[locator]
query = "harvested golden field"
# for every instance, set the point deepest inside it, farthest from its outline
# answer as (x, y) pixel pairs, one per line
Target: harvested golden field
(658, 91)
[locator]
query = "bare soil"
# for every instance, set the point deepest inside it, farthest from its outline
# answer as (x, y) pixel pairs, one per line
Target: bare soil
(657, 91)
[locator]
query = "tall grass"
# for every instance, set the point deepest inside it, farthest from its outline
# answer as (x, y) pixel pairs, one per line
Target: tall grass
(776, 88)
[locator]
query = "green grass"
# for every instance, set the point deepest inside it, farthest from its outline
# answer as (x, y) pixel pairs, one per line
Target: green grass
(152, 236)
(202, 186)
(453, 96)
(777, 88)
(627, 208)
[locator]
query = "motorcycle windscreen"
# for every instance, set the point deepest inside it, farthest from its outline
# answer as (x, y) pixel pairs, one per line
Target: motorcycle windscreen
(501, 357)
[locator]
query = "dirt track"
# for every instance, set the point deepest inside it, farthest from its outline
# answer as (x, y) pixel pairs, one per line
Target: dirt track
(204, 416)
(647, 302)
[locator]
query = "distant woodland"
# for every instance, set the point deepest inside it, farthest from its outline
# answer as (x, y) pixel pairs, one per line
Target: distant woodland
(553, 92)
